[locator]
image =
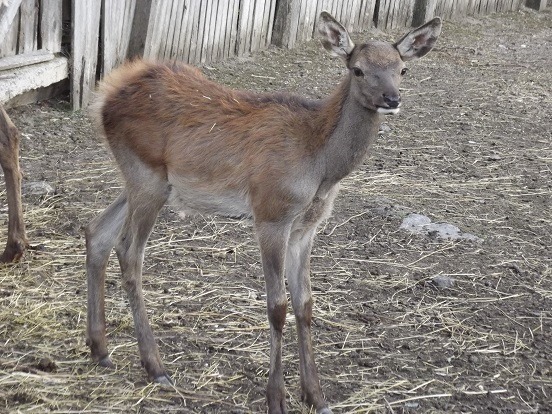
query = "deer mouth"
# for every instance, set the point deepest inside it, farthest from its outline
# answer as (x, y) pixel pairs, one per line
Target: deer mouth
(387, 110)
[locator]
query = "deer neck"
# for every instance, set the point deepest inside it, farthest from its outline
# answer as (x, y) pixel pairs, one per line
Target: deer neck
(354, 129)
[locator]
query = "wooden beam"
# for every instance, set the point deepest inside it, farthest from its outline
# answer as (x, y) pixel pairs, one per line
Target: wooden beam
(25, 59)
(17, 81)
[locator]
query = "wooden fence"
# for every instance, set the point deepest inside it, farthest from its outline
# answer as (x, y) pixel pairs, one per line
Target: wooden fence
(30, 42)
(104, 33)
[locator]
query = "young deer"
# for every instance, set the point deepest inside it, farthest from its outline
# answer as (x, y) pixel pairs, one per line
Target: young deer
(9, 159)
(277, 158)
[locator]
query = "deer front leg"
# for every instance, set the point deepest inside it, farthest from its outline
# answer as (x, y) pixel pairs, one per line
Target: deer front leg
(101, 235)
(9, 159)
(273, 239)
(298, 276)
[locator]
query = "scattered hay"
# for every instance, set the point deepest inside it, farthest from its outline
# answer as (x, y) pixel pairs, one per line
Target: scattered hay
(388, 339)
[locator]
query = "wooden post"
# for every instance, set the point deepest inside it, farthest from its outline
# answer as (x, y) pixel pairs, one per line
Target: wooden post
(85, 30)
(282, 23)
(538, 5)
(139, 28)
(424, 10)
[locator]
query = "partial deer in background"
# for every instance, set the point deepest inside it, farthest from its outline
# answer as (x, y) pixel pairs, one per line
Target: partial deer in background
(277, 158)
(9, 159)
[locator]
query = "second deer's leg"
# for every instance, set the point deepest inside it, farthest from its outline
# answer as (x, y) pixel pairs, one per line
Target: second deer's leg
(101, 235)
(298, 276)
(273, 238)
(9, 159)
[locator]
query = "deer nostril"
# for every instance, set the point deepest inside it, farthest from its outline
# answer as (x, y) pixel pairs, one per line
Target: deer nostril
(392, 101)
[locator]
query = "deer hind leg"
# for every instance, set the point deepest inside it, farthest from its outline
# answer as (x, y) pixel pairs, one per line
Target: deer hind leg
(101, 235)
(147, 192)
(273, 238)
(9, 159)
(298, 276)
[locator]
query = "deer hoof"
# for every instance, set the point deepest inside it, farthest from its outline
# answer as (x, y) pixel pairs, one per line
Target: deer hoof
(106, 363)
(164, 380)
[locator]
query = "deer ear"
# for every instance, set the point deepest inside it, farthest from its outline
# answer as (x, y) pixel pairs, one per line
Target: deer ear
(335, 38)
(420, 41)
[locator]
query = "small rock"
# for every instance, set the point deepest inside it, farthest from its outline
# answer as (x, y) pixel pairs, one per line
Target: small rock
(37, 188)
(443, 282)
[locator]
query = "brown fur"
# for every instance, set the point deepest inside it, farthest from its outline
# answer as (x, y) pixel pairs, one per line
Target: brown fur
(9, 159)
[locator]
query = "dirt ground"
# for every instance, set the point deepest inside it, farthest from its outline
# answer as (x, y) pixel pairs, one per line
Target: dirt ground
(471, 147)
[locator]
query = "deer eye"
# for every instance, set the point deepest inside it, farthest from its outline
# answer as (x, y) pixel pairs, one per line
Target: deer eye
(404, 71)
(358, 72)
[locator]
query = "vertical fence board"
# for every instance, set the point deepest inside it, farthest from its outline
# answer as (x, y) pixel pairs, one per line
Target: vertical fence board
(8, 11)
(28, 26)
(117, 25)
(207, 43)
(185, 38)
(85, 34)
(138, 29)
(8, 47)
(221, 29)
(233, 43)
(267, 24)
(172, 22)
(50, 25)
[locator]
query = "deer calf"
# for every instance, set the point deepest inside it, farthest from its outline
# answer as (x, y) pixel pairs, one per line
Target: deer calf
(9, 159)
(178, 137)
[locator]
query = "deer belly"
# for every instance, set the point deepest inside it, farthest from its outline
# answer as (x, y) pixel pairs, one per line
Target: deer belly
(193, 198)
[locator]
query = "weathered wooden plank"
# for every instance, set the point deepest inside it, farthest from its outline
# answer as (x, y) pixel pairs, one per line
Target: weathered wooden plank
(117, 26)
(221, 30)
(179, 28)
(85, 35)
(301, 20)
(17, 81)
(395, 13)
(261, 25)
(8, 11)
(536, 4)
(8, 46)
(264, 35)
(28, 26)
(25, 59)
(170, 29)
(201, 32)
(212, 45)
(233, 39)
(424, 10)
(195, 42)
(180, 31)
(51, 25)
(138, 31)
(245, 26)
(156, 29)
(294, 23)
(186, 34)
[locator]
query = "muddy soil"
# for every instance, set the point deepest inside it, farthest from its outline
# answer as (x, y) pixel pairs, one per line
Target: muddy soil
(403, 322)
